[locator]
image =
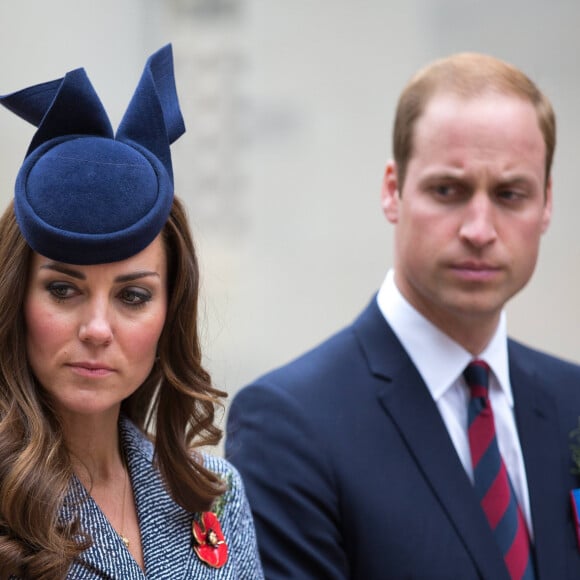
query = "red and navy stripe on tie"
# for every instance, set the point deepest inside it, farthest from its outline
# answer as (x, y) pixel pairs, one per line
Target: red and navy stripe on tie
(491, 480)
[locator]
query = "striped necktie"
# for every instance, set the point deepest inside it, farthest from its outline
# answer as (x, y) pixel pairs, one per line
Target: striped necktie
(491, 480)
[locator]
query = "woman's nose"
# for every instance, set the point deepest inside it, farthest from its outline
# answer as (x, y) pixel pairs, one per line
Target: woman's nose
(95, 326)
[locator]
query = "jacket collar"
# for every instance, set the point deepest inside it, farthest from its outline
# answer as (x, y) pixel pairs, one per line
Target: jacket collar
(406, 400)
(166, 528)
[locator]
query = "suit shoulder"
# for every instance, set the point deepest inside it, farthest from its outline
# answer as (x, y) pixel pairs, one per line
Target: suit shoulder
(331, 368)
(316, 365)
(541, 361)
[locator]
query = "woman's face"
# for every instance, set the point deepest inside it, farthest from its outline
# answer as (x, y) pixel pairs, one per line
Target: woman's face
(92, 331)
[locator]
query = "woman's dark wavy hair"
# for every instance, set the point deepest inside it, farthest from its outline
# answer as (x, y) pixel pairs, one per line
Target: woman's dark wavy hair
(175, 405)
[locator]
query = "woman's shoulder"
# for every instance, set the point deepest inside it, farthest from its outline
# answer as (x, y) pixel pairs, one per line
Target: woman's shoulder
(232, 504)
(232, 510)
(227, 473)
(218, 465)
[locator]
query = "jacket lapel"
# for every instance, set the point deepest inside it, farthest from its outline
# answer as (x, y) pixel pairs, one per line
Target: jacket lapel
(166, 533)
(107, 556)
(405, 398)
(538, 428)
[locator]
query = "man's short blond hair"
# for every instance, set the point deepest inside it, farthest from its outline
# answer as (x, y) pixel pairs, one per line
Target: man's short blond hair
(468, 75)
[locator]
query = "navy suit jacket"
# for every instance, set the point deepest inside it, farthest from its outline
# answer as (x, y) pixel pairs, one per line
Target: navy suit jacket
(350, 471)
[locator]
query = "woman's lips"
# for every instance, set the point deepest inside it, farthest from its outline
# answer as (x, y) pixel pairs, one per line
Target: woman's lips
(91, 369)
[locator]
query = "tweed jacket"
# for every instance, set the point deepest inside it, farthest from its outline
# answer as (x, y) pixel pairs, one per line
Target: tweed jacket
(166, 528)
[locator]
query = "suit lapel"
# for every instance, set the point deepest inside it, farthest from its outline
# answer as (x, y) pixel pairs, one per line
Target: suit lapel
(538, 428)
(406, 400)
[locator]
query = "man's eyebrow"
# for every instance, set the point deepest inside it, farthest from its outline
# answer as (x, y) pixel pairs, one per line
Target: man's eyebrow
(517, 179)
(68, 271)
(514, 177)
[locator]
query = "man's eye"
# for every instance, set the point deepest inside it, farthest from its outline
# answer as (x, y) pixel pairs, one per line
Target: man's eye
(445, 190)
(509, 194)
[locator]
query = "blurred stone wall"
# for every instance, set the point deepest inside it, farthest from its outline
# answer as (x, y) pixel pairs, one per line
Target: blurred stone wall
(288, 107)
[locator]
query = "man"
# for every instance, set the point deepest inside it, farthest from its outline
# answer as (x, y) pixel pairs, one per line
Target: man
(377, 455)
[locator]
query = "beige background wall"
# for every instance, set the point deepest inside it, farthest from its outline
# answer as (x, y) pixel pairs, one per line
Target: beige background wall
(288, 107)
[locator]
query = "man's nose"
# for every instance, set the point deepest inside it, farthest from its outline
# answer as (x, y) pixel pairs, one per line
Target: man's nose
(478, 226)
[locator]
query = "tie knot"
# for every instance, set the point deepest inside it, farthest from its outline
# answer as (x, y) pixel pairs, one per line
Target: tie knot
(476, 376)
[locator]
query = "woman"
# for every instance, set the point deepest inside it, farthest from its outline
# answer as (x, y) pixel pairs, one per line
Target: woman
(102, 393)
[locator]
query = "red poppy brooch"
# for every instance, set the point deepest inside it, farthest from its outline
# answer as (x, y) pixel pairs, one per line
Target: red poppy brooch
(209, 542)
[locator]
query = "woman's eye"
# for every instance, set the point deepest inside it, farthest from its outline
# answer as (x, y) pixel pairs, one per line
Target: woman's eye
(135, 297)
(61, 291)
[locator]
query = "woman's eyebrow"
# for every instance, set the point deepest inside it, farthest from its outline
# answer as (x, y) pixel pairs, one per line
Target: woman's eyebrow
(64, 270)
(68, 271)
(135, 276)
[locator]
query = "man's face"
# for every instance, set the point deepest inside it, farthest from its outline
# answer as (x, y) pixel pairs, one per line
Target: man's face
(473, 207)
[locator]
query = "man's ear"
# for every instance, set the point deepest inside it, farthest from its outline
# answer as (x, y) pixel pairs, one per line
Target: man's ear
(547, 216)
(390, 193)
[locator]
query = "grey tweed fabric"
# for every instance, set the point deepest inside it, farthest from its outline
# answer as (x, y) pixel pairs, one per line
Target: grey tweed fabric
(166, 528)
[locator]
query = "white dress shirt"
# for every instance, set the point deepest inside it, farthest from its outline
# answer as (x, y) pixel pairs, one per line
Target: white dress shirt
(441, 362)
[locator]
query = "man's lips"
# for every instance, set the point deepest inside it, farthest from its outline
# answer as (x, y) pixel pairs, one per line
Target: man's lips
(476, 271)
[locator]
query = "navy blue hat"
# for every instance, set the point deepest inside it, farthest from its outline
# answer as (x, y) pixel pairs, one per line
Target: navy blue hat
(85, 195)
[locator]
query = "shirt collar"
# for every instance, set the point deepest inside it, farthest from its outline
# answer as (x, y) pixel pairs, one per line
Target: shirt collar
(438, 358)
